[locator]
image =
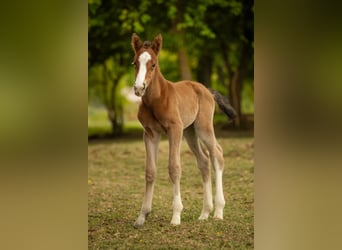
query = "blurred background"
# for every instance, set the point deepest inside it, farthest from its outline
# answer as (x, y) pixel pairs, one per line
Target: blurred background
(209, 41)
(43, 89)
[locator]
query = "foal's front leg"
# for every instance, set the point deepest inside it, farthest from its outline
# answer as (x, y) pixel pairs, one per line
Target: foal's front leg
(175, 134)
(151, 145)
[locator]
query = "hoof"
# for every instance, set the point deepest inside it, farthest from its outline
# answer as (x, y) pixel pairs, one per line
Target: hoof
(204, 215)
(139, 223)
(176, 221)
(137, 226)
(218, 217)
(218, 214)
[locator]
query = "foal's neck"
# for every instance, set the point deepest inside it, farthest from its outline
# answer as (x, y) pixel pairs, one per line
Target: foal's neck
(157, 89)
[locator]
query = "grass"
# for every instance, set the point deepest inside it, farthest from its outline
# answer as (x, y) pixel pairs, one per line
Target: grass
(115, 192)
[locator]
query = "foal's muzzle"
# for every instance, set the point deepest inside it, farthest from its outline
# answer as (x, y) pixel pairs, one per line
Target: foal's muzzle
(140, 90)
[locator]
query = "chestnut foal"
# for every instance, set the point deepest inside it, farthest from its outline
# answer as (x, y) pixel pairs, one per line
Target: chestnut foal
(185, 108)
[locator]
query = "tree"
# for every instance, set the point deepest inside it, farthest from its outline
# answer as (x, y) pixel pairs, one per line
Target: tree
(222, 31)
(204, 34)
(219, 33)
(235, 35)
(111, 24)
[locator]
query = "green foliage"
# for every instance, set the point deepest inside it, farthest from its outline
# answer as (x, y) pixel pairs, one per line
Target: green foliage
(172, 11)
(220, 28)
(247, 104)
(98, 123)
(169, 65)
(235, 7)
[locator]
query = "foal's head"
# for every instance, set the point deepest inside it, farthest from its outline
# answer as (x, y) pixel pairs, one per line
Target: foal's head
(145, 62)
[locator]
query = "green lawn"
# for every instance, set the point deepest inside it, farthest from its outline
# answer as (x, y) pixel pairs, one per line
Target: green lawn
(115, 192)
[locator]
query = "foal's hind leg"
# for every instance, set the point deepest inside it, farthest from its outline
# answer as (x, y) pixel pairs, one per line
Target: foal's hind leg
(219, 199)
(205, 131)
(151, 140)
(203, 166)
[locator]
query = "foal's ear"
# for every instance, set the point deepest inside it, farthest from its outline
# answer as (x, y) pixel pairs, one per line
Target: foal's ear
(136, 43)
(157, 44)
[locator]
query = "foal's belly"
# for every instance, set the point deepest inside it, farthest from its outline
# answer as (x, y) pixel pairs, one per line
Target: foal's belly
(188, 114)
(187, 103)
(187, 120)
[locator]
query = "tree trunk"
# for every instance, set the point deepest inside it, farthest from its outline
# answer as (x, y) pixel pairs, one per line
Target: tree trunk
(114, 110)
(235, 86)
(234, 90)
(235, 96)
(204, 69)
(184, 64)
(222, 76)
(115, 117)
(182, 53)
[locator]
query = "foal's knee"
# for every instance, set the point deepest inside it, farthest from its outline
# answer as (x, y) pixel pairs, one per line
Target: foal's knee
(174, 172)
(150, 175)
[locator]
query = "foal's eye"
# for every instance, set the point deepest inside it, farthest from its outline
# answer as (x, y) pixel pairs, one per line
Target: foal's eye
(153, 65)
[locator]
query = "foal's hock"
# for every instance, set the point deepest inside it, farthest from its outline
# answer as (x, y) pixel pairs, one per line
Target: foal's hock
(177, 109)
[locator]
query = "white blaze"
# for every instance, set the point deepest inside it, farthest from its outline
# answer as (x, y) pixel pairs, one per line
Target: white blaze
(143, 59)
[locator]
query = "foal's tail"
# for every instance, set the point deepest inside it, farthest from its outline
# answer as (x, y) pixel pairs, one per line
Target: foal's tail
(223, 103)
